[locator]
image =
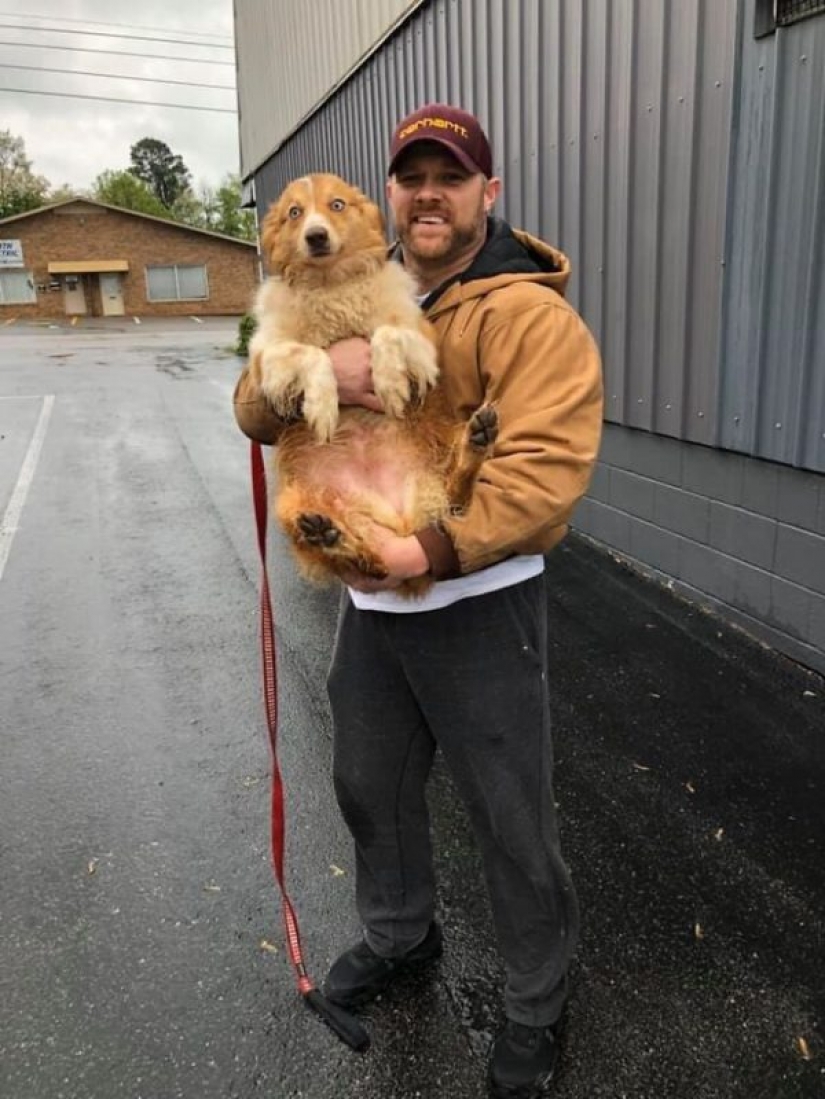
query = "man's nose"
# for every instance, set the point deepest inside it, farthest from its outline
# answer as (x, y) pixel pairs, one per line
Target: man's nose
(428, 190)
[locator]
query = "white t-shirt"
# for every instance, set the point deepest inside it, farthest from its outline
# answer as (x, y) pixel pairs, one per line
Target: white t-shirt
(442, 594)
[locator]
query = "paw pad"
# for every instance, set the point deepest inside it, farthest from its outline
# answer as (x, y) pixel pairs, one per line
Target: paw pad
(484, 427)
(318, 530)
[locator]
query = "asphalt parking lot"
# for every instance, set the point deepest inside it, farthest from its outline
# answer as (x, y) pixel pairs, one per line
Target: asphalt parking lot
(142, 953)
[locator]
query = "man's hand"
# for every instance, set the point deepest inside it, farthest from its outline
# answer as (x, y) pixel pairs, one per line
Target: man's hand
(352, 367)
(404, 558)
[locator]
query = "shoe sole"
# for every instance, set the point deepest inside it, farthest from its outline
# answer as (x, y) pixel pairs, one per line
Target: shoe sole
(532, 1091)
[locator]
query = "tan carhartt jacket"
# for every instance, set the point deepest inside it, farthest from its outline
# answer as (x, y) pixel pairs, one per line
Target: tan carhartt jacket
(506, 335)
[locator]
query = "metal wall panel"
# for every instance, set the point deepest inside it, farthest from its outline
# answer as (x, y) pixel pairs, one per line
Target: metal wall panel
(686, 182)
(774, 338)
(291, 55)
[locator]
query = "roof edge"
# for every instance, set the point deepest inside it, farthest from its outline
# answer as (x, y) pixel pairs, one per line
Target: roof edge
(134, 213)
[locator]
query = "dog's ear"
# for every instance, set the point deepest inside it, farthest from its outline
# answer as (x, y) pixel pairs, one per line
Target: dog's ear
(271, 243)
(373, 216)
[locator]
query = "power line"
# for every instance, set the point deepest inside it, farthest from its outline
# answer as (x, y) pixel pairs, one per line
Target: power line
(119, 53)
(119, 76)
(113, 34)
(103, 23)
(112, 99)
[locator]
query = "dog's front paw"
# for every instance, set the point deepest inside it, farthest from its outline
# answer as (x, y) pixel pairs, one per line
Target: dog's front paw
(289, 371)
(389, 376)
(422, 361)
(321, 404)
(402, 360)
(280, 380)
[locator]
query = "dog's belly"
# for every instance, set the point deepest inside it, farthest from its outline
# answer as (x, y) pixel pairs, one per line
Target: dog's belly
(373, 461)
(376, 462)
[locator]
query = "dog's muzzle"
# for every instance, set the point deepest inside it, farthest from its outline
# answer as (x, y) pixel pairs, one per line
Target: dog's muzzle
(318, 242)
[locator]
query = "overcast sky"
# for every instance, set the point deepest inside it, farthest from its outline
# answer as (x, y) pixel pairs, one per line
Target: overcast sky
(73, 140)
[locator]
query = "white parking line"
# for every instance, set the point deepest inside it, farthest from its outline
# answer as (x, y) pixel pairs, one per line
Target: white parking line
(11, 518)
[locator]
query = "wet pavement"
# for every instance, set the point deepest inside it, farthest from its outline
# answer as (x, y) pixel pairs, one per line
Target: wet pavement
(142, 951)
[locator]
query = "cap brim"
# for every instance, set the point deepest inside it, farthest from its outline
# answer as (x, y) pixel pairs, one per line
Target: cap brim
(462, 158)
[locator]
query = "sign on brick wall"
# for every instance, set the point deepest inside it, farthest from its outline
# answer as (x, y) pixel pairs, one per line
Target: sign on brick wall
(11, 253)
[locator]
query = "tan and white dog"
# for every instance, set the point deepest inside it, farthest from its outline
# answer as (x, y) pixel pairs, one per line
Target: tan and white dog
(343, 470)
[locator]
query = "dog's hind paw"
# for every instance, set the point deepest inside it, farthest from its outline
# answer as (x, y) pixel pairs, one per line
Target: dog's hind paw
(318, 530)
(483, 427)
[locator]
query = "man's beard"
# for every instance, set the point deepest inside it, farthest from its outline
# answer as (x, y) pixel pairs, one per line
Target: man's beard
(459, 241)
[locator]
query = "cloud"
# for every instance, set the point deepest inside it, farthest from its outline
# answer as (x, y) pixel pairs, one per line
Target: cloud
(73, 140)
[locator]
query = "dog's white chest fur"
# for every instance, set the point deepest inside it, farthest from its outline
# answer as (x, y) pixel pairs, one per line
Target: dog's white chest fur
(330, 314)
(298, 323)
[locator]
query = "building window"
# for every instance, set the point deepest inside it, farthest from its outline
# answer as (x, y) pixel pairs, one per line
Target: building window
(176, 283)
(771, 14)
(789, 11)
(17, 288)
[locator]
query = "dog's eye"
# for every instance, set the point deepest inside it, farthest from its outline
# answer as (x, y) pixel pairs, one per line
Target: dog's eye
(337, 205)
(294, 212)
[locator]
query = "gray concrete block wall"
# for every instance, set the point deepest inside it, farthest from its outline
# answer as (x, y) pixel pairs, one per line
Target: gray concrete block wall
(743, 536)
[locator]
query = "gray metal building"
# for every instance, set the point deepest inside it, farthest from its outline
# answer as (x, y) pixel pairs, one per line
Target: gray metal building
(675, 149)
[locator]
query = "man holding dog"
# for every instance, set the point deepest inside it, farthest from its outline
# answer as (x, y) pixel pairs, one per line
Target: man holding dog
(466, 668)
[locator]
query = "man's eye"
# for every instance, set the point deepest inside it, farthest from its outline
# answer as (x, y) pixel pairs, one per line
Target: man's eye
(337, 205)
(294, 212)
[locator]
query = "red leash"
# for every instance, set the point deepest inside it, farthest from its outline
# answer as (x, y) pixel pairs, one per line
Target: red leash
(341, 1022)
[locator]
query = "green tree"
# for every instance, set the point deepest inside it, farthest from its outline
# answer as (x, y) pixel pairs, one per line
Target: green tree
(188, 209)
(20, 188)
(124, 189)
(217, 210)
(164, 171)
(65, 191)
(229, 216)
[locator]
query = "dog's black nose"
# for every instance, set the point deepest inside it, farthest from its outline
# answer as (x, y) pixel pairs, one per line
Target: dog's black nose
(317, 239)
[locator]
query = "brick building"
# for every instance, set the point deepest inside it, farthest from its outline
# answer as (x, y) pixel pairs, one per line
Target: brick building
(81, 257)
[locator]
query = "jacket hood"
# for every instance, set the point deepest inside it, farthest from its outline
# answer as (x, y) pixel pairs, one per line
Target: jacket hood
(508, 256)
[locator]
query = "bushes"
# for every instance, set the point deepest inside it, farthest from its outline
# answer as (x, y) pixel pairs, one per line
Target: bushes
(246, 328)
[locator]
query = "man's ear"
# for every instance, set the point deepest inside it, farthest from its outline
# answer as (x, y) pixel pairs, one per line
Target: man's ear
(492, 189)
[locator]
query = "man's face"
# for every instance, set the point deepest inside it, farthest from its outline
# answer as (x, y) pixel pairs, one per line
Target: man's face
(439, 208)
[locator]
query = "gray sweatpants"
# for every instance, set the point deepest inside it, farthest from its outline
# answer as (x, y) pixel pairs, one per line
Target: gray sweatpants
(472, 679)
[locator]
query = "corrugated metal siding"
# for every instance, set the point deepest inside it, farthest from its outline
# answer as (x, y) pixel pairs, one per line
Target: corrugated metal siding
(774, 340)
(290, 55)
(623, 136)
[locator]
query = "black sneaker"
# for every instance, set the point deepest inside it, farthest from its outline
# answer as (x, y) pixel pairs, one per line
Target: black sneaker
(523, 1061)
(359, 974)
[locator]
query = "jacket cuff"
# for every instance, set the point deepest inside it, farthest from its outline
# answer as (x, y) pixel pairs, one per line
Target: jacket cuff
(255, 416)
(440, 551)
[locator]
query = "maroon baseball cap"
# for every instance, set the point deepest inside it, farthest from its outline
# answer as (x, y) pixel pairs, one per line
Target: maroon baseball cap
(458, 131)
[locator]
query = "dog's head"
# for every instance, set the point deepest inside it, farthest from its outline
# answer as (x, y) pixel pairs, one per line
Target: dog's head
(318, 223)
